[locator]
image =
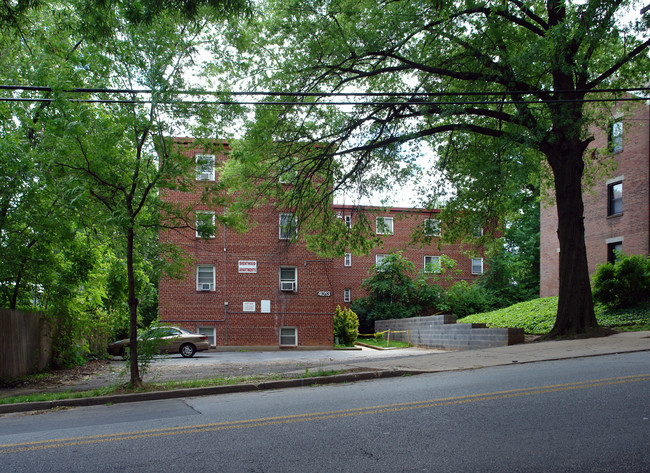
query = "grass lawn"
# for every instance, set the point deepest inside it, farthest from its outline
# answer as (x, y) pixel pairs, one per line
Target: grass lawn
(537, 316)
(382, 343)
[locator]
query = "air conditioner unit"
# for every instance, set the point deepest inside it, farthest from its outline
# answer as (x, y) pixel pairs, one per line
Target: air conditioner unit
(206, 287)
(288, 286)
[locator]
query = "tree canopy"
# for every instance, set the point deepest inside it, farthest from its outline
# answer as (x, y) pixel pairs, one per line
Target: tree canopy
(493, 86)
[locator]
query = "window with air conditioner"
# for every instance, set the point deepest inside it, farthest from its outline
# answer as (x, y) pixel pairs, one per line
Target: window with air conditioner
(205, 167)
(288, 279)
(205, 278)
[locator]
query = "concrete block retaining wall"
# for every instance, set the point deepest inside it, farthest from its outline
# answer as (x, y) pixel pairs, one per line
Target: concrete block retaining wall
(442, 331)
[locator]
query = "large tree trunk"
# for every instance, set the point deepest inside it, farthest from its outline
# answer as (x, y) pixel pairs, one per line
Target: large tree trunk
(136, 381)
(575, 312)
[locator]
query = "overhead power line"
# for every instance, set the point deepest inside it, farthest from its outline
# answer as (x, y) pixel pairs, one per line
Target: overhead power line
(411, 98)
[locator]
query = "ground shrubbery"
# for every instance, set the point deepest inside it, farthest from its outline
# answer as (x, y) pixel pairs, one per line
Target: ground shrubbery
(346, 326)
(396, 291)
(624, 283)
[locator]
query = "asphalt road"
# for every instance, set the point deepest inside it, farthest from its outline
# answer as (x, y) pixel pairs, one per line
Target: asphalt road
(585, 414)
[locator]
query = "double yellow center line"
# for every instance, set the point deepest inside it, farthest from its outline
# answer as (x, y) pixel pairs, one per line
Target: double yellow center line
(267, 421)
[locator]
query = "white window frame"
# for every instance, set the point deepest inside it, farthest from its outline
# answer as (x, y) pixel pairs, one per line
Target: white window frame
(200, 282)
(205, 171)
(347, 294)
(615, 136)
(282, 335)
(211, 332)
(432, 227)
(214, 221)
(434, 265)
(479, 261)
(284, 281)
(478, 231)
(348, 221)
(387, 223)
(347, 260)
(379, 258)
(282, 226)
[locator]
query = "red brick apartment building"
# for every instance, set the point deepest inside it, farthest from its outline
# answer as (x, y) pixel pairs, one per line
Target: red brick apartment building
(259, 289)
(617, 210)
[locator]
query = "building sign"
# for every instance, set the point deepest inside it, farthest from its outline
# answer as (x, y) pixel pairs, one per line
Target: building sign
(249, 306)
(324, 294)
(247, 266)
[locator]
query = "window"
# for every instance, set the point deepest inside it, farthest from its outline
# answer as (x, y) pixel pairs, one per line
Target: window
(205, 167)
(432, 227)
(477, 265)
(348, 260)
(346, 295)
(615, 137)
(288, 226)
(348, 221)
(288, 337)
(379, 259)
(205, 223)
(288, 279)
(478, 231)
(287, 174)
(615, 198)
(205, 278)
(614, 249)
(384, 225)
(210, 332)
(432, 264)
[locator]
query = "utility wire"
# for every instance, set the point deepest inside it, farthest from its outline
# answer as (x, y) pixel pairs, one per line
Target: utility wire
(309, 104)
(412, 98)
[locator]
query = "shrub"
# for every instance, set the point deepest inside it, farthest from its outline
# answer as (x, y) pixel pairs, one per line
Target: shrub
(346, 326)
(464, 299)
(624, 283)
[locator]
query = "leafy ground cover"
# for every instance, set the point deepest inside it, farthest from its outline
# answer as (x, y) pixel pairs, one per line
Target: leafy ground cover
(538, 315)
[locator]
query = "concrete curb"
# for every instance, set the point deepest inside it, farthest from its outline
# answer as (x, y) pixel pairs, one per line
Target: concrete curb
(207, 391)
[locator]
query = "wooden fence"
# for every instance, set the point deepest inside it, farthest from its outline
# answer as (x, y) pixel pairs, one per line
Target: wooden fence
(25, 343)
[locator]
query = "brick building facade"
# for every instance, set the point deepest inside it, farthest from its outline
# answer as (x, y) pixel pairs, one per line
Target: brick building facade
(617, 210)
(261, 289)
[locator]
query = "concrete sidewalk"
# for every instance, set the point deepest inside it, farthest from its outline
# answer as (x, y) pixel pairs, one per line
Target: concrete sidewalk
(523, 353)
(385, 366)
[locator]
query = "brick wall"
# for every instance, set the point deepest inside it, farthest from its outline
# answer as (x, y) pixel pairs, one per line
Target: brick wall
(632, 226)
(233, 307)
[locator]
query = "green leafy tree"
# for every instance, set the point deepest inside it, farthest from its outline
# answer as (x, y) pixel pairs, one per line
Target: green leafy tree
(517, 73)
(113, 161)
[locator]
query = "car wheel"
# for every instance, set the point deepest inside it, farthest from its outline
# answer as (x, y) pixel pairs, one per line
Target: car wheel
(188, 350)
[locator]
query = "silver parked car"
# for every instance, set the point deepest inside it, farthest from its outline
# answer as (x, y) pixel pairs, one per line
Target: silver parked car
(172, 340)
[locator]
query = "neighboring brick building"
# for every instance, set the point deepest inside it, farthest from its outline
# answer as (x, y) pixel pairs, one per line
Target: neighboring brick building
(259, 289)
(617, 210)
